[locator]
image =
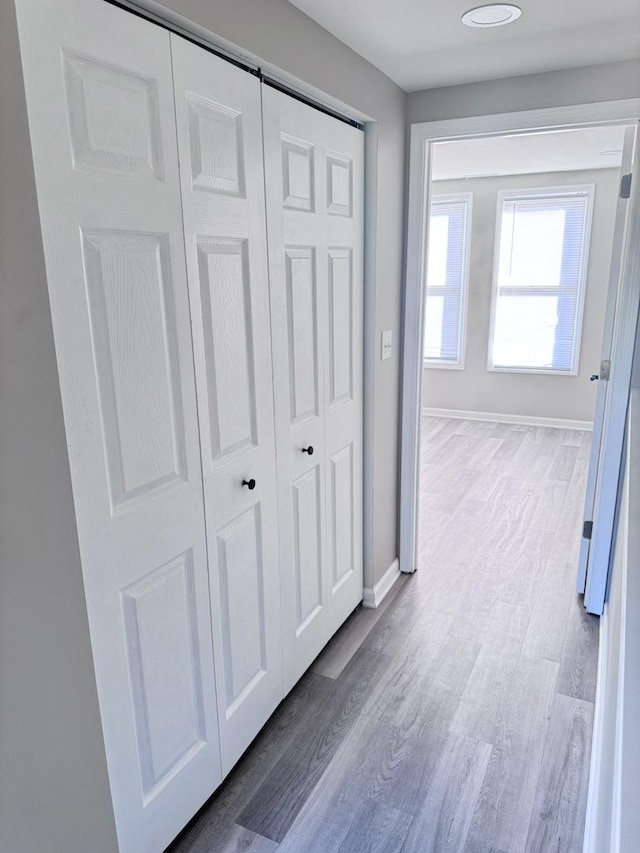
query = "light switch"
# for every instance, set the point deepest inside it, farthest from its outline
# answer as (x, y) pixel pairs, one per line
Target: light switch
(386, 345)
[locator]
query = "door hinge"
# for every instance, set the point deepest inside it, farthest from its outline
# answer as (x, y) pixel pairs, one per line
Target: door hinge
(587, 529)
(625, 185)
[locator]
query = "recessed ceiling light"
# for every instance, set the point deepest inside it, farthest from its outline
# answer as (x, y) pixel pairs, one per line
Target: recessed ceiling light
(494, 15)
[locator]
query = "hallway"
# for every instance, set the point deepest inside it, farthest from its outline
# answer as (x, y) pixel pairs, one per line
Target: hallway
(457, 717)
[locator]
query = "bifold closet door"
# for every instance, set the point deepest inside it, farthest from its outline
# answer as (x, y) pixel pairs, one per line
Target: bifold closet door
(220, 142)
(101, 113)
(314, 179)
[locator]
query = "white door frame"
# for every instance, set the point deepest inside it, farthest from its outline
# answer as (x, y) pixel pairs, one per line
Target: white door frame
(621, 230)
(423, 136)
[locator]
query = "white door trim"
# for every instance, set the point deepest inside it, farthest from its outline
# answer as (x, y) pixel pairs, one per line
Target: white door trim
(613, 291)
(423, 135)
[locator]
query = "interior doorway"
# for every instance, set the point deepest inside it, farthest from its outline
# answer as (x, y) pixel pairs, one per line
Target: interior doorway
(425, 139)
(517, 293)
(519, 290)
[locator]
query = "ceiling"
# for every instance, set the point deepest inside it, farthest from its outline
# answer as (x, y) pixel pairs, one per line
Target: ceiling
(556, 151)
(422, 43)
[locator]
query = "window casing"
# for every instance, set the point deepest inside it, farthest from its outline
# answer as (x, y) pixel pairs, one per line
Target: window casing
(540, 273)
(446, 280)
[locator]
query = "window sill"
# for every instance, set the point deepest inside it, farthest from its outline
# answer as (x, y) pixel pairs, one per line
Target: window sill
(540, 371)
(441, 365)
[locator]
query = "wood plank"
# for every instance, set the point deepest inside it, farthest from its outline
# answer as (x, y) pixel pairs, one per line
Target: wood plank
(579, 658)
(376, 828)
(409, 610)
(369, 766)
(564, 463)
(277, 802)
(509, 447)
(234, 839)
(443, 818)
(558, 813)
(341, 648)
(492, 676)
(522, 579)
(548, 625)
(428, 650)
(216, 820)
(502, 813)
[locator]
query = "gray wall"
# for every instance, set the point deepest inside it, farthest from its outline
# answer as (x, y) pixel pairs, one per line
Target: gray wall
(479, 390)
(54, 793)
(282, 35)
(609, 82)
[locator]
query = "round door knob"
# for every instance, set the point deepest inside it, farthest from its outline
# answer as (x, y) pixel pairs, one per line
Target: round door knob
(593, 377)
(308, 450)
(250, 484)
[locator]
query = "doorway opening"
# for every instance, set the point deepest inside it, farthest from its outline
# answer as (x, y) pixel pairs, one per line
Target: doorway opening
(517, 300)
(520, 290)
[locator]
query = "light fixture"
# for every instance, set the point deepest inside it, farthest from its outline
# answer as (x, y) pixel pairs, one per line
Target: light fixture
(494, 15)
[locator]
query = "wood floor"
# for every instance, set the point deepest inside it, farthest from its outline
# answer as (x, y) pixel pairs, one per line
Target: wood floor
(456, 717)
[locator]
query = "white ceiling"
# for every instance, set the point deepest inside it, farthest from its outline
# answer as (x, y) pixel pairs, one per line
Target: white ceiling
(557, 151)
(422, 43)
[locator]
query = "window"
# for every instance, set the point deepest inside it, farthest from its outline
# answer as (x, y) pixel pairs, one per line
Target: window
(447, 275)
(542, 244)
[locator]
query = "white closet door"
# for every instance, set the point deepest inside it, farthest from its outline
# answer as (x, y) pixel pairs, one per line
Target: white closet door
(314, 179)
(100, 101)
(220, 143)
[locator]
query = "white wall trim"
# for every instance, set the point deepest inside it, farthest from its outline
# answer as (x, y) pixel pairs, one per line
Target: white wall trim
(373, 597)
(506, 418)
(597, 746)
(423, 136)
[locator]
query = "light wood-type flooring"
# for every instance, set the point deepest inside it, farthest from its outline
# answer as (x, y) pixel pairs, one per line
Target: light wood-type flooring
(456, 717)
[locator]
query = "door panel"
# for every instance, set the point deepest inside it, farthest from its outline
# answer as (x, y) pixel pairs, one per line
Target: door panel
(607, 339)
(342, 515)
(302, 332)
(168, 701)
(604, 483)
(341, 354)
(242, 605)
(225, 293)
(307, 526)
(220, 144)
(314, 179)
(132, 298)
(100, 101)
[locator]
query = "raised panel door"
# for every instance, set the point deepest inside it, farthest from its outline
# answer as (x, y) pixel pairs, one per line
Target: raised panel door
(314, 180)
(220, 143)
(100, 101)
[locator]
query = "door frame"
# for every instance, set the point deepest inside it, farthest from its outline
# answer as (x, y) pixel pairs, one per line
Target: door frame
(423, 136)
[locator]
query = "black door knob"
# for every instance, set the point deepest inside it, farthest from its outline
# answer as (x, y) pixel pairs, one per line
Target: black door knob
(250, 484)
(593, 377)
(308, 450)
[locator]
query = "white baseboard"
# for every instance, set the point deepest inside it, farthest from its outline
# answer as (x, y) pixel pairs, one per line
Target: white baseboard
(373, 597)
(527, 420)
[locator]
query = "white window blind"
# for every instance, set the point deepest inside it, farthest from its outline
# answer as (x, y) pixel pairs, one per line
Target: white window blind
(446, 285)
(542, 249)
